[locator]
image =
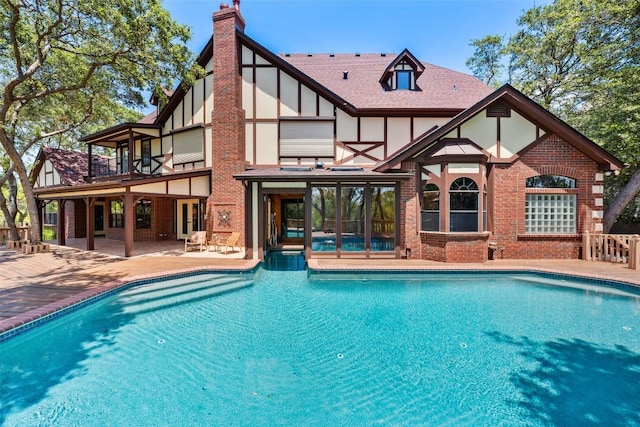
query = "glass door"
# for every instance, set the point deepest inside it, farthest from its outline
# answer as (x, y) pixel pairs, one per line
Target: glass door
(293, 220)
(189, 217)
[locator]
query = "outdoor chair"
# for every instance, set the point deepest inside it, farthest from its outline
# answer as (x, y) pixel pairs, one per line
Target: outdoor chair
(229, 242)
(197, 239)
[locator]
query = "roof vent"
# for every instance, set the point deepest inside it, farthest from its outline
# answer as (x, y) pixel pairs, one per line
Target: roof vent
(357, 54)
(383, 54)
(287, 55)
(345, 75)
(331, 55)
(309, 54)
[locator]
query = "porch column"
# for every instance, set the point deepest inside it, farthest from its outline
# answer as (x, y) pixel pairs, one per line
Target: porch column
(62, 238)
(41, 205)
(90, 222)
(129, 223)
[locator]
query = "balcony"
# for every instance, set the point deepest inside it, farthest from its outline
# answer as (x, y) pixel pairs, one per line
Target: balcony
(116, 168)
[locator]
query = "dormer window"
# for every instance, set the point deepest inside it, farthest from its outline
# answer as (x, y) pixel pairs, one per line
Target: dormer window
(404, 80)
(402, 73)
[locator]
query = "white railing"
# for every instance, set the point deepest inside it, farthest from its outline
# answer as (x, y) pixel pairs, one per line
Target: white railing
(619, 248)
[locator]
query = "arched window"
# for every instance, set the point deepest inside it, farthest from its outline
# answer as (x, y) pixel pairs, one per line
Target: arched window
(430, 208)
(550, 181)
(547, 212)
(463, 205)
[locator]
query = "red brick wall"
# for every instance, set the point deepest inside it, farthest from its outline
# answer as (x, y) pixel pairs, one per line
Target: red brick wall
(551, 156)
(162, 220)
(228, 118)
(455, 247)
(409, 215)
(75, 219)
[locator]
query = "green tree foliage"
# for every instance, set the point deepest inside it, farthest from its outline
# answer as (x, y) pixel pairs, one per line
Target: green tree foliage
(74, 65)
(581, 60)
(486, 62)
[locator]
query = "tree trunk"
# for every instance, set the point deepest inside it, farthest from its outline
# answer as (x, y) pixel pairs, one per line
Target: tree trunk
(23, 176)
(11, 223)
(621, 201)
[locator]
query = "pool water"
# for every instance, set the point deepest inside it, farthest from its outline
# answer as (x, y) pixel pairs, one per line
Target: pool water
(288, 348)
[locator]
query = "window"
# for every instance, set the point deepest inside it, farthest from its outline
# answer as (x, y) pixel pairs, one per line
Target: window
(145, 149)
(550, 181)
(116, 214)
(403, 80)
(383, 214)
(404, 76)
(143, 214)
(550, 213)
(306, 138)
(463, 205)
(323, 219)
(430, 208)
(353, 216)
(51, 213)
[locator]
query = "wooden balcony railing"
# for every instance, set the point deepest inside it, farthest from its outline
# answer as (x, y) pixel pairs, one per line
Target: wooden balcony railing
(619, 248)
(114, 167)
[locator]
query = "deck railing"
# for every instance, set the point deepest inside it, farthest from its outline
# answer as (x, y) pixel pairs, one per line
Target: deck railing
(619, 248)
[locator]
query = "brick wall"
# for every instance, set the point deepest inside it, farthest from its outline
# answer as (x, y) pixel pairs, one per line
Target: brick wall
(455, 247)
(409, 214)
(228, 118)
(552, 156)
(162, 220)
(75, 219)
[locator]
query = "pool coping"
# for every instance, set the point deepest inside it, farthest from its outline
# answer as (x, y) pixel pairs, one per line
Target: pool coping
(314, 266)
(23, 322)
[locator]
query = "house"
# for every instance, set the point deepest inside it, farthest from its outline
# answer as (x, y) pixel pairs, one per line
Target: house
(356, 155)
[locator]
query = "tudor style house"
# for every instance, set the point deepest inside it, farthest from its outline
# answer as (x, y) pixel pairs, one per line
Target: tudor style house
(356, 155)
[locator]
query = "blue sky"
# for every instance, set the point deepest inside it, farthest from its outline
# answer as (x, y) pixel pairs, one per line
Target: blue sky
(435, 31)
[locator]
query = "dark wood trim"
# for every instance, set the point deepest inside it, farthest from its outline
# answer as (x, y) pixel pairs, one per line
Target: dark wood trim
(498, 137)
(90, 225)
(385, 130)
(62, 237)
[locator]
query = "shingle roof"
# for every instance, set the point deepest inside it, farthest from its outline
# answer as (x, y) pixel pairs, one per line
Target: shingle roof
(70, 165)
(149, 118)
(439, 87)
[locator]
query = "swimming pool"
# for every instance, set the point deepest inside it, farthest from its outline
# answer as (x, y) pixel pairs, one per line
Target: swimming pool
(288, 348)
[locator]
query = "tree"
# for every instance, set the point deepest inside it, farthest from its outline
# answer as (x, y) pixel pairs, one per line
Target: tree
(63, 60)
(486, 62)
(581, 60)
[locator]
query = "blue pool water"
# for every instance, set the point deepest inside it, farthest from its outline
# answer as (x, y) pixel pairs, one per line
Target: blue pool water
(282, 348)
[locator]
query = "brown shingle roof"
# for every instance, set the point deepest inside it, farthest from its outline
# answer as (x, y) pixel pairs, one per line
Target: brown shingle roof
(439, 87)
(149, 118)
(70, 165)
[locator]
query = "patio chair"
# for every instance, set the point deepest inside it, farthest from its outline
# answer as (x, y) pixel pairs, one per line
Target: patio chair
(229, 242)
(197, 239)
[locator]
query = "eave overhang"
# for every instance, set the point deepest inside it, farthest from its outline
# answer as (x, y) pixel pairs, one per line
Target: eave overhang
(85, 190)
(303, 174)
(110, 137)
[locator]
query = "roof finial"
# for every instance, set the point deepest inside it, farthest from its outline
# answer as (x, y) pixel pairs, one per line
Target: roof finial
(236, 5)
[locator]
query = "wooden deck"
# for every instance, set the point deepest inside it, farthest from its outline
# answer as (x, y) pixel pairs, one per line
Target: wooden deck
(35, 285)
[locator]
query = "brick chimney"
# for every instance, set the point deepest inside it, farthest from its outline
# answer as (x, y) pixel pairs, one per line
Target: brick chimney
(225, 206)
